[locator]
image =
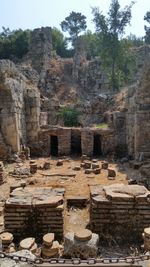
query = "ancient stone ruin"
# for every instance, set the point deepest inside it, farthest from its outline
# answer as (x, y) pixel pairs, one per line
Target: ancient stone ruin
(69, 191)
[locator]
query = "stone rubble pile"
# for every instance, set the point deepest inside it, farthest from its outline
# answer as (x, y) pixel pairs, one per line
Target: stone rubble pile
(38, 210)
(122, 211)
(93, 167)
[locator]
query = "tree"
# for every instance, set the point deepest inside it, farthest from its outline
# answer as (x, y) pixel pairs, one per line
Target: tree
(60, 43)
(74, 24)
(135, 41)
(147, 29)
(110, 30)
(14, 44)
(92, 44)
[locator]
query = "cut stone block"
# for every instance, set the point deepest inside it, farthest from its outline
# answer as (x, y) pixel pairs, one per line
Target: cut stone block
(105, 165)
(97, 171)
(111, 173)
(95, 166)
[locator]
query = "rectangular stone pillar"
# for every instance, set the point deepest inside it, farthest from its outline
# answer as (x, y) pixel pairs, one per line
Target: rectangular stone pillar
(87, 141)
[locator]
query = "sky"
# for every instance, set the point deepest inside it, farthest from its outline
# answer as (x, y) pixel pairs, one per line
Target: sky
(30, 14)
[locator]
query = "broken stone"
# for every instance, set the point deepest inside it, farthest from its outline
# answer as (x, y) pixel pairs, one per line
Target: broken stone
(95, 166)
(111, 173)
(33, 249)
(97, 171)
(87, 165)
(33, 168)
(83, 235)
(105, 165)
(84, 157)
(27, 243)
(147, 232)
(59, 162)
(52, 251)
(48, 239)
(6, 238)
(77, 168)
(88, 171)
(46, 165)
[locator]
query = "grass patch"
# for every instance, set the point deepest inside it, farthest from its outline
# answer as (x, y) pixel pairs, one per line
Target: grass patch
(102, 126)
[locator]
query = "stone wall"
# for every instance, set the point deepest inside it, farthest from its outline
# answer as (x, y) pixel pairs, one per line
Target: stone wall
(35, 211)
(12, 113)
(19, 111)
(32, 113)
(119, 211)
(138, 117)
(67, 138)
(40, 49)
(64, 141)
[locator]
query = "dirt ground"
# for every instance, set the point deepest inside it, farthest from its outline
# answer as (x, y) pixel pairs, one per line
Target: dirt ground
(76, 184)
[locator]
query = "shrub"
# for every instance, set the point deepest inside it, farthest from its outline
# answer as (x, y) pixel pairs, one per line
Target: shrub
(69, 116)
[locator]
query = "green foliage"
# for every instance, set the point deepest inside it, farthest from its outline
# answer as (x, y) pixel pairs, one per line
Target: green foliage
(69, 116)
(102, 125)
(135, 41)
(147, 29)
(14, 44)
(60, 44)
(109, 30)
(92, 44)
(74, 24)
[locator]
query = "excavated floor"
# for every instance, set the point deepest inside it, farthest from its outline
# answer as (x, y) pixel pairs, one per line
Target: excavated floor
(77, 189)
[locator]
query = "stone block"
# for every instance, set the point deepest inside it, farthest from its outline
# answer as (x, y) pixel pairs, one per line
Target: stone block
(111, 173)
(27, 243)
(80, 249)
(97, 171)
(105, 165)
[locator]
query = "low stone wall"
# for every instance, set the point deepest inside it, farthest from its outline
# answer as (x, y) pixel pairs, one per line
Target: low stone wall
(119, 211)
(65, 140)
(34, 211)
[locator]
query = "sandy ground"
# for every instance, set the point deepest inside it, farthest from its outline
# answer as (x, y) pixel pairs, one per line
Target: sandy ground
(76, 185)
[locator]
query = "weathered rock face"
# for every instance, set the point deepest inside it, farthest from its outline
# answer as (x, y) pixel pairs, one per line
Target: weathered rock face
(40, 48)
(138, 118)
(32, 93)
(15, 113)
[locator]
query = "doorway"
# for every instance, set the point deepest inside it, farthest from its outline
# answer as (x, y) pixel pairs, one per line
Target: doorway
(97, 145)
(54, 145)
(76, 144)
